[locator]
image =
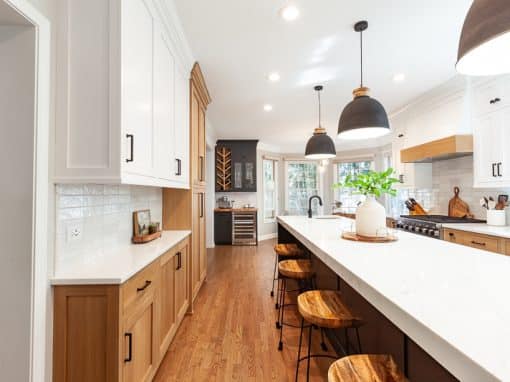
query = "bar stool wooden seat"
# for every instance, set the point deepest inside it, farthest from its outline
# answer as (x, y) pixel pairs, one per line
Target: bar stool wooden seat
(299, 270)
(365, 368)
(285, 251)
(324, 309)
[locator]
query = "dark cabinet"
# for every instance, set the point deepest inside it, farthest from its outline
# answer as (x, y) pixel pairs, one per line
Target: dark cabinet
(223, 228)
(236, 166)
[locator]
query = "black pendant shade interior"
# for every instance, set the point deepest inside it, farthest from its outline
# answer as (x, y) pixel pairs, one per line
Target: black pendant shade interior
(320, 145)
(484, 46)
(364, 117)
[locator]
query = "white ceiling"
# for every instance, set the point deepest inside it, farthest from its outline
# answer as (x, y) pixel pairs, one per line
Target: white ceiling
(238, 42)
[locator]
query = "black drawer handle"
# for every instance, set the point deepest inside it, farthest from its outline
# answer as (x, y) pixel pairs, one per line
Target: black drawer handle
(495, 100)
(499, 168)
(131, 137)
(179, 261)
(494, 170)
(451, 234)
(147, 283)
(130, 347)
(179, 167)
(478, 243)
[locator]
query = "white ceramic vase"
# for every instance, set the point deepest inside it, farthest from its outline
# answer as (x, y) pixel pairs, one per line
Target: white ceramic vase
(371, 218)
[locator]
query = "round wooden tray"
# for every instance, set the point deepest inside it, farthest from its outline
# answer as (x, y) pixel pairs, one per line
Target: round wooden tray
(145, 238)
(353, 236)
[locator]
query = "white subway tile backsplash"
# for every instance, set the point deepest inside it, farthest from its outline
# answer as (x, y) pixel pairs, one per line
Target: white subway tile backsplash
(104, 212)
(446, 175)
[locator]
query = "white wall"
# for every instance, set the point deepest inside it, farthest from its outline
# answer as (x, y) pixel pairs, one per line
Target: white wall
(17, 76)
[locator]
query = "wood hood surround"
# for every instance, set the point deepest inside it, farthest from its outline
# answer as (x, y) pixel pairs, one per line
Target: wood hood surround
(451, 147)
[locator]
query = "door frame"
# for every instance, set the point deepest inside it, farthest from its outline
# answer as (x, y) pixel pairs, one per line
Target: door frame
(39, 263)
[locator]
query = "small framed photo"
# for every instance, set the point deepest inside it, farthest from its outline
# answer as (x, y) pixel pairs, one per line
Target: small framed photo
(141, 222)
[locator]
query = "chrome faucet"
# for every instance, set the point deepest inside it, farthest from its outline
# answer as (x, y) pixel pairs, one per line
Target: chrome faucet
(310, 204)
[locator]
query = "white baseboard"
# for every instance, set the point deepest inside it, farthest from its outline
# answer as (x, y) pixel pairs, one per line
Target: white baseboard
(268, 236)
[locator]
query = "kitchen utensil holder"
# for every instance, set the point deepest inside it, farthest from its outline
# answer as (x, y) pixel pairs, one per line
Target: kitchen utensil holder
(496, 217)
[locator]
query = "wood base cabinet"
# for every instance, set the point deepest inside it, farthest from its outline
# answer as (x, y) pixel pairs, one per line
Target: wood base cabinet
(198, 247)
(476, 240)
(120, 332)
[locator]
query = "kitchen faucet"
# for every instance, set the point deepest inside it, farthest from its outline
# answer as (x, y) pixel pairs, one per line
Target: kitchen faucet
(310, 204)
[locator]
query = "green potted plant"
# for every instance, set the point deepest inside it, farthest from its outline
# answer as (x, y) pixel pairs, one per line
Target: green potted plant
(370, 215)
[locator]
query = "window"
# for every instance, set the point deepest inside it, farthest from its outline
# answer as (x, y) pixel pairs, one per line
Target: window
(270, 169)
(302, 181)
(346, 196)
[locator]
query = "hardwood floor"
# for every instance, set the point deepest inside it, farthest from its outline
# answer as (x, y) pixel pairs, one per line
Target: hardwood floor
(232, 336)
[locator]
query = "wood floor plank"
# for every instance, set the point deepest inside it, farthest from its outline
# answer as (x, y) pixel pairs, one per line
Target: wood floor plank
(232, 336)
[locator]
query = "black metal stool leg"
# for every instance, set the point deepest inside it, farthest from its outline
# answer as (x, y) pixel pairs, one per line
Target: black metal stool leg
(359, 341)
(299, 347)
(346, 341)
(282, 311)
(279, 303)
(309, 351)
(274, 272)
(323, 344)
(278, 293)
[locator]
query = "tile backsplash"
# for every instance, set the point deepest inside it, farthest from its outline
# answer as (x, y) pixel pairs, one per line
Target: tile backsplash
(103, 215)
(446, 175)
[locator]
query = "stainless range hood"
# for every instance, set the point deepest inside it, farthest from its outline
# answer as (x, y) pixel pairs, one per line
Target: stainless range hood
(446, 148)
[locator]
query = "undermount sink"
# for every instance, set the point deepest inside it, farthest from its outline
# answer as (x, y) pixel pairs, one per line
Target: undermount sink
(326, 217)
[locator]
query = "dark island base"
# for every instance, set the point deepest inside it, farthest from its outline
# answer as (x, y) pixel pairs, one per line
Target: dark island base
(379, 335)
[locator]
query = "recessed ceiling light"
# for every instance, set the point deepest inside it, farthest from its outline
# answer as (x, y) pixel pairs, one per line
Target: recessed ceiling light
(289, 12)
(399, 77)
(268, 107)
(273, 77)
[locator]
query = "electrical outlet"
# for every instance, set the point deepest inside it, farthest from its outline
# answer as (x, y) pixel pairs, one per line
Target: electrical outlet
(74, 232)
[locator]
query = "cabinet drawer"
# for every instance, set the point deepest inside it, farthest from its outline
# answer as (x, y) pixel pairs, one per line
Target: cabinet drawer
(488, 243)
(139, 285)
(481, 242)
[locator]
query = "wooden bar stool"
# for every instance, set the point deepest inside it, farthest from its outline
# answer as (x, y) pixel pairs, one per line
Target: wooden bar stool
(299, 270)
(324, 309)
(284, 251)
(365, 368)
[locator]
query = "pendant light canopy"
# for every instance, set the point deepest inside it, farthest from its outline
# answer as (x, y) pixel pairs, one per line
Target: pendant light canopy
(364, 117)
(320, 145)
(484, 47)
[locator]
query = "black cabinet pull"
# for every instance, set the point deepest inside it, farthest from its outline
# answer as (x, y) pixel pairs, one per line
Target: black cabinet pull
(130, 347)
(201, 178)
(201, 205)
(477, 243)
(499, 168)
(147, 283)
(179, 261)
(179, 167)
(495, 100)
(131, 137)
(494, 170)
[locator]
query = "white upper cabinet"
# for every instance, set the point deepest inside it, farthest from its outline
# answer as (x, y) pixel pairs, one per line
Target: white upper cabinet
(491, 133)
(122, 94)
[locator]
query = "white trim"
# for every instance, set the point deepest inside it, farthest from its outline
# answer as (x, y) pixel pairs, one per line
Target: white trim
(268, 236)
(39, 277)
(275, 191)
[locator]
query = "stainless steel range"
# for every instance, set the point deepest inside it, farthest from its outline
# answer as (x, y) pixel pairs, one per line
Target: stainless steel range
(430, 225)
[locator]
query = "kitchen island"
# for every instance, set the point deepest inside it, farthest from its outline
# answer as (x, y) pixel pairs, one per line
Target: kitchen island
(449, 299)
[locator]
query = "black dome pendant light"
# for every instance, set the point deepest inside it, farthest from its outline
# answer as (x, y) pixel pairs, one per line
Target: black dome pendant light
(485, 41)
(320, 145)
(363, 117)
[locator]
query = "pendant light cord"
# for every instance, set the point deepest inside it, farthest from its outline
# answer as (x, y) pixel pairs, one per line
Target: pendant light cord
(361, 57)
(319, 95)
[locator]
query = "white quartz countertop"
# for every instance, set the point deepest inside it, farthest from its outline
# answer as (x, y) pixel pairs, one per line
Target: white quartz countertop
(481, 228)
(450, 299)
(118, 266)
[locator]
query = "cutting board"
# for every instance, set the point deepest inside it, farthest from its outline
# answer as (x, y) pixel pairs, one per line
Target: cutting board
(457, 207)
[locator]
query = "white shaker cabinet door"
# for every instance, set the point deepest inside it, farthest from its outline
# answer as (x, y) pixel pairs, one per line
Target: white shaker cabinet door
(488, 146)
(137, 92)
(164, 109)
(182, 129)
